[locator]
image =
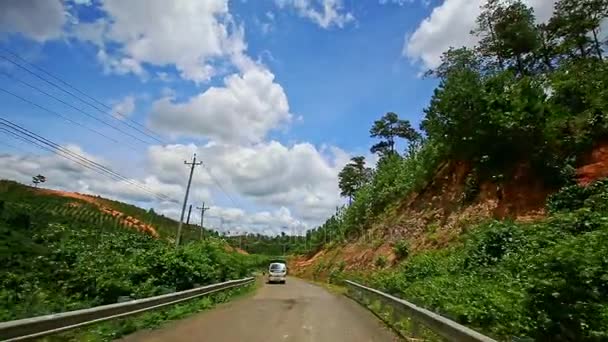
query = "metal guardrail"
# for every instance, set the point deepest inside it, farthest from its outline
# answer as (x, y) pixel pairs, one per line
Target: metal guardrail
(29, 328)
(439, 325)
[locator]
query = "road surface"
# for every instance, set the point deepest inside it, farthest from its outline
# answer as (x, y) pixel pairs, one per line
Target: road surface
(296, 311)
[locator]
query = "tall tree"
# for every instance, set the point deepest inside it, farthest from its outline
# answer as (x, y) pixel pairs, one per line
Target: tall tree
(38, 179)
(508, 33)
(388, 128)
(353, 176)
(577, 23)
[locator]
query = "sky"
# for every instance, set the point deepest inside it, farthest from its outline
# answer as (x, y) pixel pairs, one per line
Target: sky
(274, 96)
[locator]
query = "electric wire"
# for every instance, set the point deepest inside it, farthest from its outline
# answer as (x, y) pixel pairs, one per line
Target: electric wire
(48, 145)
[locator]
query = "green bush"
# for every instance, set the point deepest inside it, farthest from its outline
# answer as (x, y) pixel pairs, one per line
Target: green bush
(401, 249)
(56, 267)
(381, 261)
(545, 280)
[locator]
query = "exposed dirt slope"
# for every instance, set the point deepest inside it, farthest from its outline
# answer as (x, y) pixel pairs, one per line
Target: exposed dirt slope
(436, 216)
(104, 207)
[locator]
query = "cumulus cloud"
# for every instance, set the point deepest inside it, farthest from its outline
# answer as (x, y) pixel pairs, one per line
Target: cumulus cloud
(124, 107)
(450, 24)
(325, 13)
(65, 174)
(299, 177)
(245, 109)
(167, 175)
(187, 34)
(38, 20)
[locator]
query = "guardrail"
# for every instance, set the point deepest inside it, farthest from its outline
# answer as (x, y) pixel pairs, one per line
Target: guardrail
(34, 327)
(437, 327)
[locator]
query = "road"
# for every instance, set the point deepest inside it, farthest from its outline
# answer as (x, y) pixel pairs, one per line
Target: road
(296, 311)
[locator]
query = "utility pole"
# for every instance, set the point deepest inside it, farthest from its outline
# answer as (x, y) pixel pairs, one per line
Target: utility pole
(181, 219)
(202, 209)
(189, 212)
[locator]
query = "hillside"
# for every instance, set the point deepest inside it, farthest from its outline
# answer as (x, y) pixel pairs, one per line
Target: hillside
(64, 251)
(69, 207)
(435, 217)
(494, 213)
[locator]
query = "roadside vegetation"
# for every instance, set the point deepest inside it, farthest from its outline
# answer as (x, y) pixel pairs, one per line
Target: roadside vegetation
(59, 257)
(528, 94)
(546, 280)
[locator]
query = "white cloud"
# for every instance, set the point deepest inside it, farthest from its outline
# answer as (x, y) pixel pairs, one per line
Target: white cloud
(65, 174)
(166, 174)
(125, 107)
(243, 110)
(40, 20)
(299, 177)
(187, 34)
(449, 25)
(120, 65)
(325, 13)
(395, 2)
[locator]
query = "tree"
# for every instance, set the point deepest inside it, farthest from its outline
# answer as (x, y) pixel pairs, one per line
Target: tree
(457, 109)
(388, 128)
(38, 179)
(577, 23)
(353, 176)
(508, 33)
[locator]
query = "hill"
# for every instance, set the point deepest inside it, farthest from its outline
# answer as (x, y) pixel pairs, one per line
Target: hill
(69, 207)
(495, 212)
(65, 251)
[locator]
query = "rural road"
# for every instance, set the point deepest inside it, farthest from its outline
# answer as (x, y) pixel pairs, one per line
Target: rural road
(296, 311)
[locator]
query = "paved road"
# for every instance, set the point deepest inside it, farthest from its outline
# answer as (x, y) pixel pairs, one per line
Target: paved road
(296, 311)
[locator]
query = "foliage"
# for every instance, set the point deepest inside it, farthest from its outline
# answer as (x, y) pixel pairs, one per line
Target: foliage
(381, 261)
(401, 249)
(353, 176)
(388, 128)
(545, 280)
(528, 94)
(38, 179)
(54, 262)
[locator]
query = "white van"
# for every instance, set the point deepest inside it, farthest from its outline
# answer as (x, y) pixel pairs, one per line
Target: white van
(277, 272)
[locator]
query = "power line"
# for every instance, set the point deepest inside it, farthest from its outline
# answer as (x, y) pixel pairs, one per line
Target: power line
(48, 145)
(11, 145)
(71, 106)
(74, 157)
(15, 55)
(126, 118)
(61, 116)
(219, 185)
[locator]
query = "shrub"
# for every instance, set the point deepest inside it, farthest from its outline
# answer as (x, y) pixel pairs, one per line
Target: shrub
(381, 261)
(401, 249)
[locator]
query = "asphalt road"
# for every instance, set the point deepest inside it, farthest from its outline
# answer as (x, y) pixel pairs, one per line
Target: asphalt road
(296, 311)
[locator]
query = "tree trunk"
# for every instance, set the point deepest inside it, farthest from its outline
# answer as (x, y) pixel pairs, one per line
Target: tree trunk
(520, 65)
(545, 54)
(597, 45)
(500, 61)
(581, 48)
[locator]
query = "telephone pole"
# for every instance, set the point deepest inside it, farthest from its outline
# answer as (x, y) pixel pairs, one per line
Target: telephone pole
(181, 219)
(189, 213)
(202, 209)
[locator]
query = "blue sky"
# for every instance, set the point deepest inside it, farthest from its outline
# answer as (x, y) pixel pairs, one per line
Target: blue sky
(275, 96)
